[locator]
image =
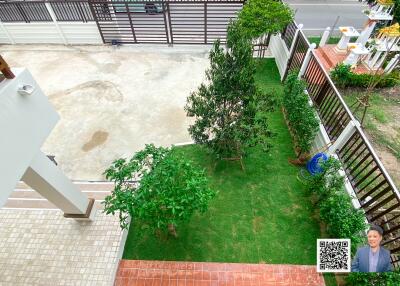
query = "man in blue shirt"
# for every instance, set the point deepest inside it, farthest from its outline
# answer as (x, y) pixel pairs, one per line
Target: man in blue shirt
(372, 258)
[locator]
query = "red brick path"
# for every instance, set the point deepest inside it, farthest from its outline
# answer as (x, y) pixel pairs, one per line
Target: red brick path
(330, 58)
(154, 273)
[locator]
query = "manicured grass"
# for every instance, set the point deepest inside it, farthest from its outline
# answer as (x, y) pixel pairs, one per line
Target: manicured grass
(330, 279)
(377, 116)
(331, 40)
(261, 215)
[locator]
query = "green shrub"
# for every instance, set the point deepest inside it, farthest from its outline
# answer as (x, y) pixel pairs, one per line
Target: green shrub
(300, 115)
(171, 189)
(259, 17)
(373, 279)
(344, 77)
(336, 209)
(341, 75)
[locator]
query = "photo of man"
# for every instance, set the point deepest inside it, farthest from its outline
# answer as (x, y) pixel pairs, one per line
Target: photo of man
(372, 258)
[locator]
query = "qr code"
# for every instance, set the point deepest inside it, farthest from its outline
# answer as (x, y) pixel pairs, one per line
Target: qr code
(333, 255)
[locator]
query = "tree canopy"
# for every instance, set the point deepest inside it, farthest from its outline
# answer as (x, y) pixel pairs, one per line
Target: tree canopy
(259, 17)
(230, 111)
(170, 189)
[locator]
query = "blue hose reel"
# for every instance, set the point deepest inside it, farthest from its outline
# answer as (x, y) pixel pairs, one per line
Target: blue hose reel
(314, 166)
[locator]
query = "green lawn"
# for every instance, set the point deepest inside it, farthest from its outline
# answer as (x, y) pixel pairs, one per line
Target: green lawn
(331, 40)
(381, 125)
(261, 215)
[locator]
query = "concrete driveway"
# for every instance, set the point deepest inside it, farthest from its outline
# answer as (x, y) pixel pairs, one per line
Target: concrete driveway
(112, 101)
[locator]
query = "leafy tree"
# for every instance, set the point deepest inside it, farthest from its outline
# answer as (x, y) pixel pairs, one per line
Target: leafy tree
(301, 116)
(259, 17)
(231, 112)
(169, 191)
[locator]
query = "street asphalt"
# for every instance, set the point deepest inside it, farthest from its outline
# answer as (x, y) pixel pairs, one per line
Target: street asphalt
(316, 15)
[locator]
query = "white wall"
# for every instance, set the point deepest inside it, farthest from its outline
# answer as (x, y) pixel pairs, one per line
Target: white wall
(25, 123)
(47, 33)
(81, 33)
(3, 35)
(280, 53)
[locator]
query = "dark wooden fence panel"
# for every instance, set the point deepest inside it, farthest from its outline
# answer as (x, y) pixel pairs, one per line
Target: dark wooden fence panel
(175, 22)
(288, 34)
(373, 188)
(332, 112)
(17, 11)
(131, 22)
(188, 22)
(298, 54)
(72, 11)
(219, 14)
(121, 22)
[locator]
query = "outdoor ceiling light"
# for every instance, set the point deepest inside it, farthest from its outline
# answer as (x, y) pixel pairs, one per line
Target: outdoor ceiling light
(25, 89)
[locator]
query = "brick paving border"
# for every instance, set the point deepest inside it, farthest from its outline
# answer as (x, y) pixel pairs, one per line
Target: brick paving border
(168, 273)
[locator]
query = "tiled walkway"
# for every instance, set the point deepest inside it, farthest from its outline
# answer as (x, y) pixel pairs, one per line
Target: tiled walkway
(41, 247)
(154, 273)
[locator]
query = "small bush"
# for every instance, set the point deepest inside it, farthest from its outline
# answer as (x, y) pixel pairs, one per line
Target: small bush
(373, 279)
(341, 75)
(259, 17)
(301, 116)
(171, 189)
(344, 77)
(336, 209)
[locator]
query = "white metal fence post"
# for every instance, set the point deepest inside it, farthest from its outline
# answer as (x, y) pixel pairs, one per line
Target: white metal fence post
(343, 137)
(325, 37)
(306, 60)
(10, 38)
(54, 18)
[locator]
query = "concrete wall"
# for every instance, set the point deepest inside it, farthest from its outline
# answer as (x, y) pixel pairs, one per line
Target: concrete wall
(280, 53)
(47, 33)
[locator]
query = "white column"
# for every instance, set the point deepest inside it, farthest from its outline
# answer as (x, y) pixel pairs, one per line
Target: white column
(366, 33)
(306, 60)
(7, 33)
(392, 64)
(54, 18)
(48, 180)
(324, 37)
(343, 137)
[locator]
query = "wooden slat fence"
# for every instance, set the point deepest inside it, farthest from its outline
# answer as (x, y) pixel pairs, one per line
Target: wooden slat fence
(138, 21)
(21, 11)
(288, 34)
(12, 11)
(72, 11)
(298, 54)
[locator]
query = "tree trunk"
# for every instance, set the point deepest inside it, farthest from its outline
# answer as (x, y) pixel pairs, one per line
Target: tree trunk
(301, 159)
(172, 230)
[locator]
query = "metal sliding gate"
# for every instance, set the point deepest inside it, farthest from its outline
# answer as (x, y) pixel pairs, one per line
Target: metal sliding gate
(164, 22)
